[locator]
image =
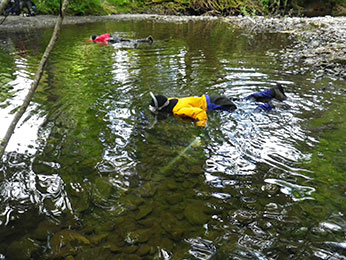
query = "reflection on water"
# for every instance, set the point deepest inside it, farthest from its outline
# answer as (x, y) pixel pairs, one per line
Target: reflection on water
(27, 134)
(90, 172)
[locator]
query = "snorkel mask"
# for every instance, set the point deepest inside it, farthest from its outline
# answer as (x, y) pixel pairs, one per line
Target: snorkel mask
(156, 108)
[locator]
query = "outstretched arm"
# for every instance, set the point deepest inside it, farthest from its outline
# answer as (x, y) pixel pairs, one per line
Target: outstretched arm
(195, 113)
(271, 105)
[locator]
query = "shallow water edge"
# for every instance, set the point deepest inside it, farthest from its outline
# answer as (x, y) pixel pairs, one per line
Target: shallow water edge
(318, 43)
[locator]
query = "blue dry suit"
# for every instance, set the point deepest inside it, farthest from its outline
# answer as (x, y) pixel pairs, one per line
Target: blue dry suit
(265, 107)
(196, 107)
(265, 94)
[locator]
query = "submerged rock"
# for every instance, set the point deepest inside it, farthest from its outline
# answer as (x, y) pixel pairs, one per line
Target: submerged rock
(144, 250)
(129, 249)
(102, 190)
(173, 227)
(138, 236)
(148, 190)
(96, 239)
(115, 242)
(174, 198)
(133, 257)
(95, 253)
(65, 243)
(22, 249)
(144, 211)
(194, 213)
(44, 229)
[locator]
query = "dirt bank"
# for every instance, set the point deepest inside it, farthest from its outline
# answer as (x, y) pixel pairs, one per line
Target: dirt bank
(319, 44)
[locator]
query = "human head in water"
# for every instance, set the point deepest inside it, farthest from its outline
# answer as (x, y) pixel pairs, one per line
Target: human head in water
(158, 103)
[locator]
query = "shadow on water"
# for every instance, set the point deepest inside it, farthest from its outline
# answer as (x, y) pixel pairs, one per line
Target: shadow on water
(90, 173)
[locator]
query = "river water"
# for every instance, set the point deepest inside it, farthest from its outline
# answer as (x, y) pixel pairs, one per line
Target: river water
(90, 173)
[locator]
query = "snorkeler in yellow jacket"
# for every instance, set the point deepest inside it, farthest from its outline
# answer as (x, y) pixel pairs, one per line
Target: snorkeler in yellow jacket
(191, 107)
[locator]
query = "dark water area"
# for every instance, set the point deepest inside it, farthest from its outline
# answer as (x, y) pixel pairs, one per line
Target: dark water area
(90, 173)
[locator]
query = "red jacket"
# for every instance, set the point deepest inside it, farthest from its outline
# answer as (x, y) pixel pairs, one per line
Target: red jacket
(103, 38)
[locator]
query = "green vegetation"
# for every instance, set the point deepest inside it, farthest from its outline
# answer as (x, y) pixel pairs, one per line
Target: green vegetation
(197, 7)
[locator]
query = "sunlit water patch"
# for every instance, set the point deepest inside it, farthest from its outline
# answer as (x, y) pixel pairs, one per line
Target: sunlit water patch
(90, 172)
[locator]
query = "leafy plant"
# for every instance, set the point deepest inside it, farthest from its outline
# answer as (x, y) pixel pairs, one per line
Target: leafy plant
(197, 7)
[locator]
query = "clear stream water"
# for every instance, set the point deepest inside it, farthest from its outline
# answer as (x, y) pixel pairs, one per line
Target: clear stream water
(90, 173)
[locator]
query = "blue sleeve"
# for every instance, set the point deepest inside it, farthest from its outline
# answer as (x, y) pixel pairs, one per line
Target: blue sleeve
(262, 94)
(265, 107)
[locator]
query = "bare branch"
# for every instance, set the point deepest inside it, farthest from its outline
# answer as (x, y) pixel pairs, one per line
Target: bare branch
(36, 81)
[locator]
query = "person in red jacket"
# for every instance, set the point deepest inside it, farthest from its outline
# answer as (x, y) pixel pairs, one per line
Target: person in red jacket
(102, 38)
(107, 38)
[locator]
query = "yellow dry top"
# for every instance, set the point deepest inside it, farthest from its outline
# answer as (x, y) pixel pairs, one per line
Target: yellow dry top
(193, 107)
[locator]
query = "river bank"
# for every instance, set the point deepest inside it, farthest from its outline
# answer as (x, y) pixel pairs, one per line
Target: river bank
(318, 44)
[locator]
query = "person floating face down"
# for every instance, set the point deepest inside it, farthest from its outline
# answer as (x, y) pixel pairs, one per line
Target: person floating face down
(194, 108)
(107, 38)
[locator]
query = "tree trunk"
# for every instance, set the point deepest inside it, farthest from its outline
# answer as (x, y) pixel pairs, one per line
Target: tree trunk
(37, 79)
(3, 4)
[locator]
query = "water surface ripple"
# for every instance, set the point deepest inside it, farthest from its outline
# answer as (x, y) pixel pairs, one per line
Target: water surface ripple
(90, 172)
